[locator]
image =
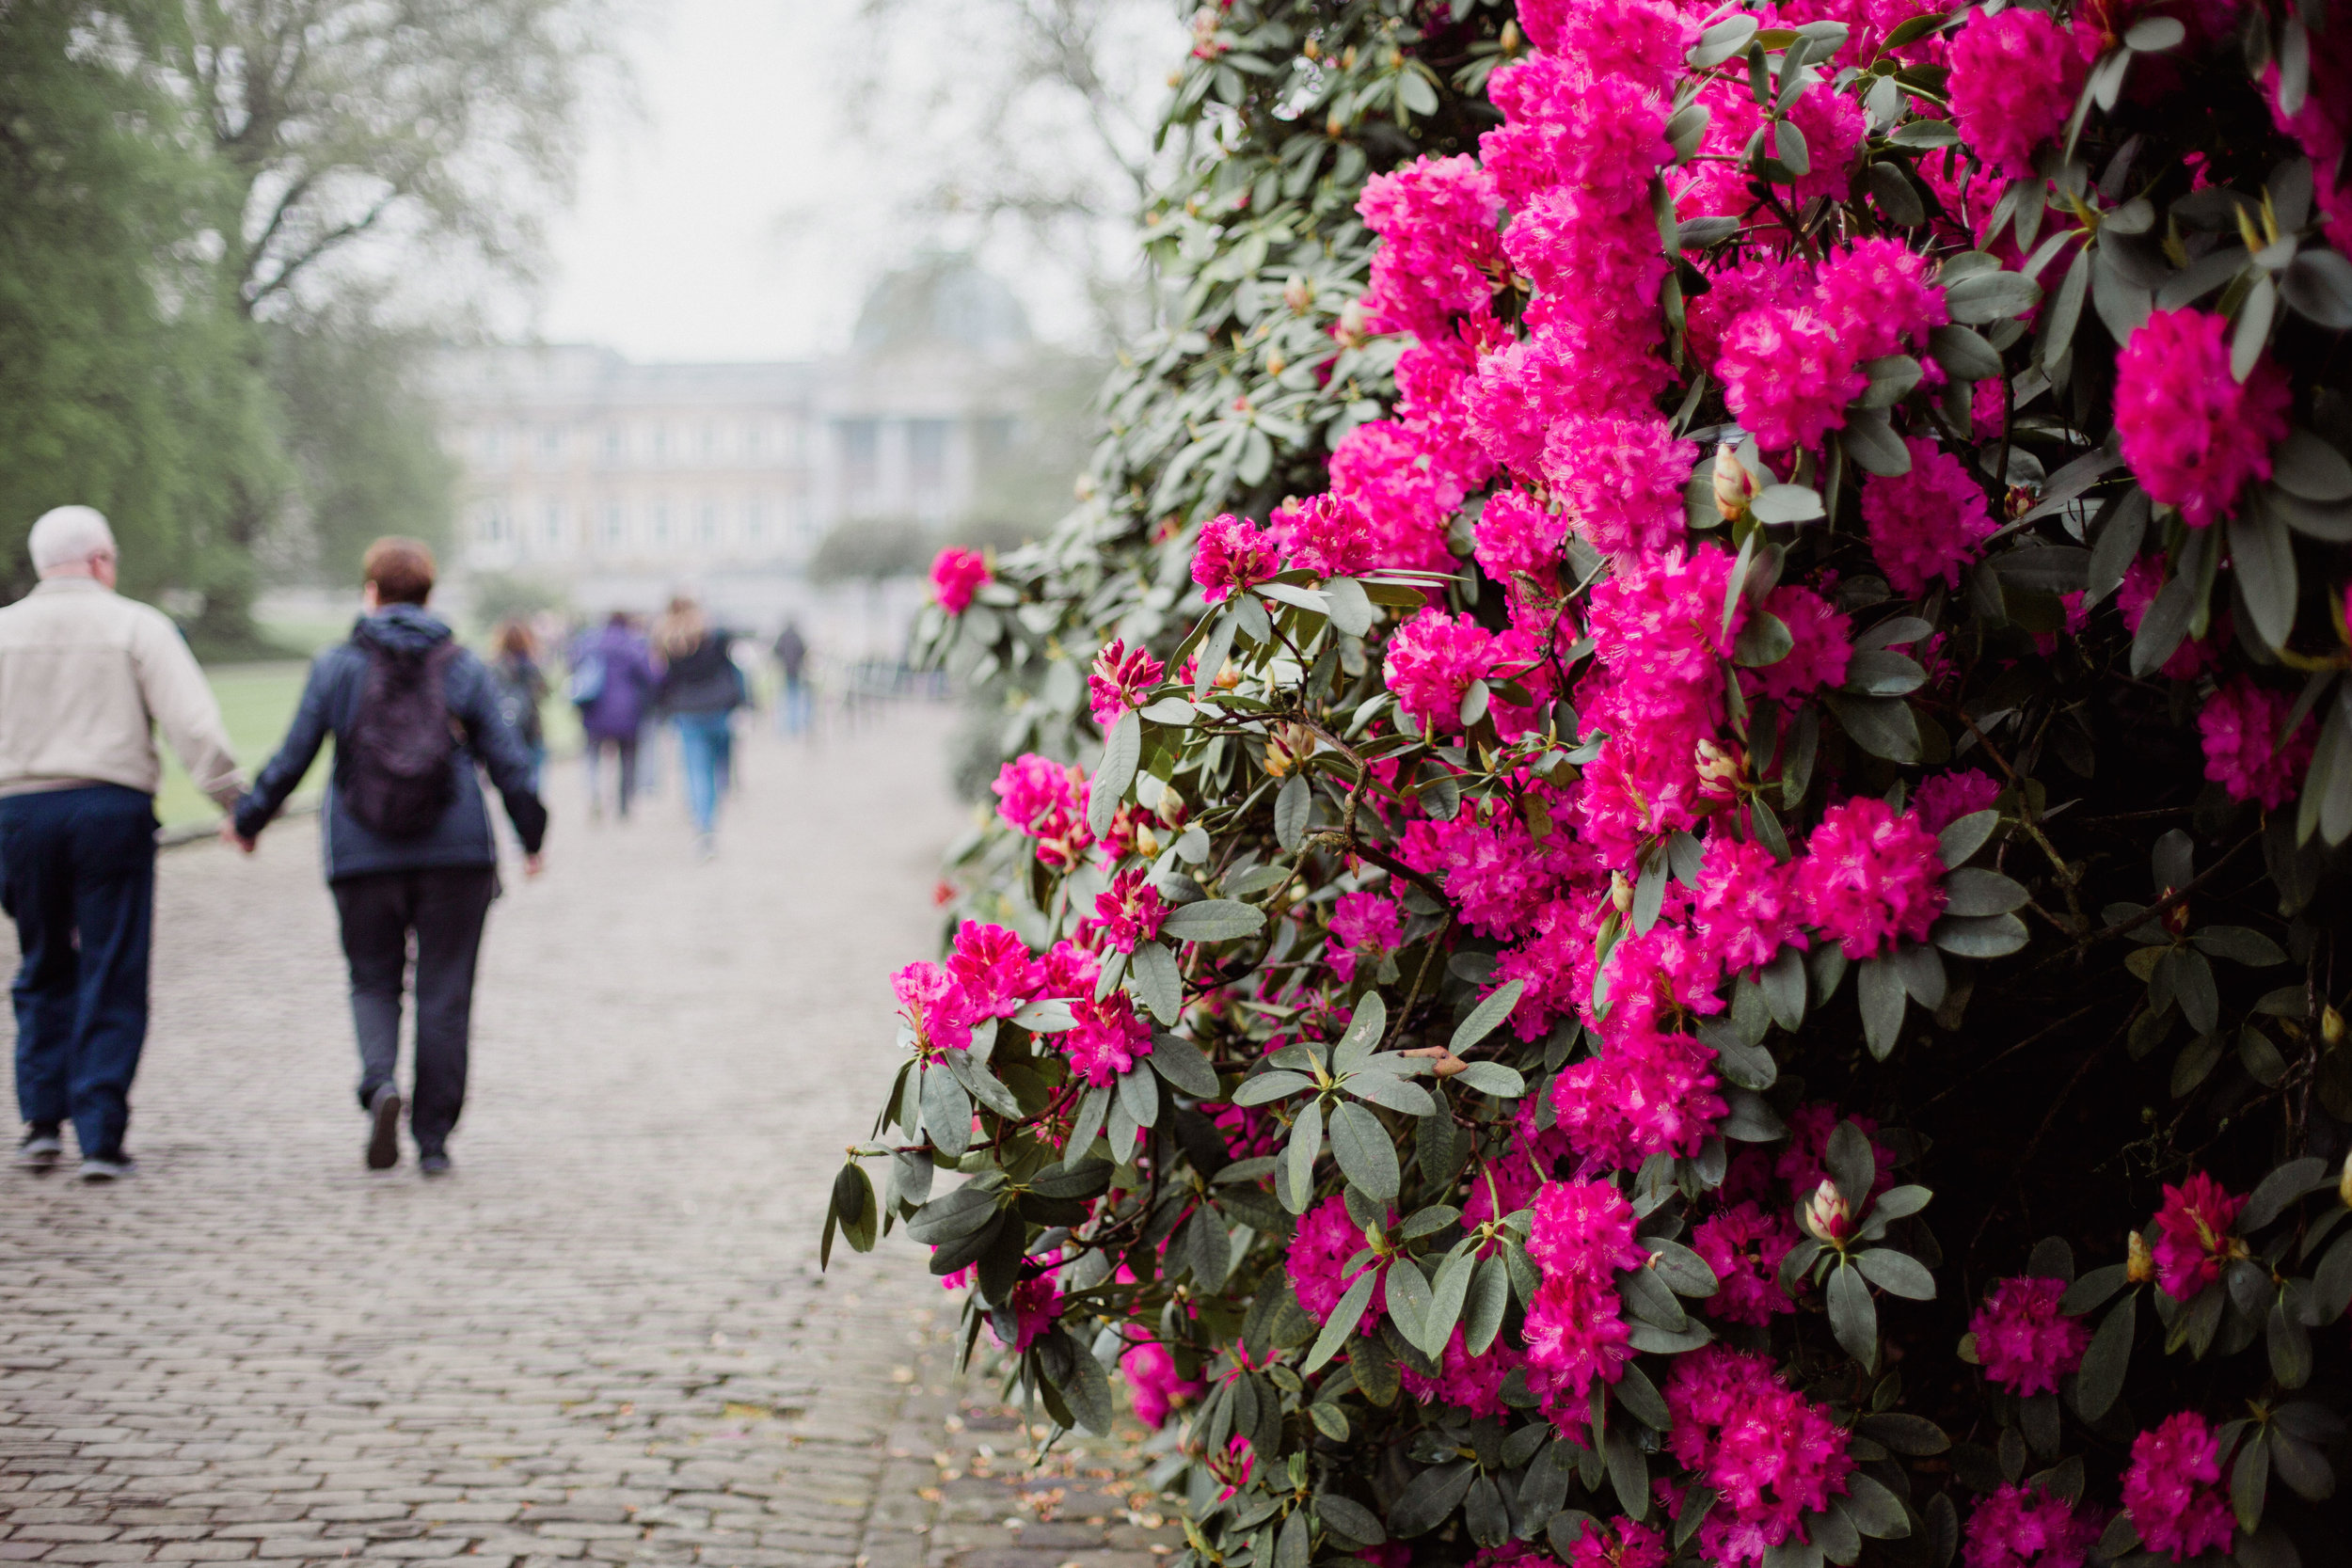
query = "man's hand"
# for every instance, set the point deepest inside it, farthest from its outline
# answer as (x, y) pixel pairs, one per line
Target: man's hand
(228, 834)
(534, 864)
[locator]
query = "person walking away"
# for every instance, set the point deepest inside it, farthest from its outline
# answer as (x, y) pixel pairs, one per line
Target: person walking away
(701, 688)
(791, 650)
(515, 675)
(85, 677)
(612, 683)
(410, 852)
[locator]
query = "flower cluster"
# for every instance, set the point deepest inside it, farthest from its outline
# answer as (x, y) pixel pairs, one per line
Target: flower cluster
(2172, 1490)
(2022, 1341)
(2193, 433)
(1772, 1454)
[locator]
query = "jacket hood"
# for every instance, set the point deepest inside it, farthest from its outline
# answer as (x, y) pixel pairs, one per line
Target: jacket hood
(403, 631)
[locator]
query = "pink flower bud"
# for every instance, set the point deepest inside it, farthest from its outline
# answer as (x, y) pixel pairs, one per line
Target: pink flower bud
(1827, 1217)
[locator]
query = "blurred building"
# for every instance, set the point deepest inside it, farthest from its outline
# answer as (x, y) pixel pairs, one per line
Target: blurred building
(622, 480)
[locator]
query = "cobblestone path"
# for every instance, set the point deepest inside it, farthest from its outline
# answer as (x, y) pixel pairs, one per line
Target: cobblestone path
(605, 1336)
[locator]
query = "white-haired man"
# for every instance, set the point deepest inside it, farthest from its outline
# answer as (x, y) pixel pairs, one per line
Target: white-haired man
(85, 676)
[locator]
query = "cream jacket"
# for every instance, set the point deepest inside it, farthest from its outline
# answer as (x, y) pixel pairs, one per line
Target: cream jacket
(86, 675)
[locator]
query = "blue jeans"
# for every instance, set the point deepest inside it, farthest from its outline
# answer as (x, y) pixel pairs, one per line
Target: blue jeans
(77, 875)
(704, 745)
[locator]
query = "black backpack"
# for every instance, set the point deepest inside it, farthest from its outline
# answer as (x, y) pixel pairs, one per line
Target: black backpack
(396, 776)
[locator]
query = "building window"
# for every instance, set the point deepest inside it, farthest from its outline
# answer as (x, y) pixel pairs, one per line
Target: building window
(615, 525)
(710, 530)
(662, 522)
(551, 447)
(927, 453)
(551, 523)
(753, 444)
(659, 442)
(615, 448)
(710, 442)
(491, 525)
(861, 455)
(755, 522)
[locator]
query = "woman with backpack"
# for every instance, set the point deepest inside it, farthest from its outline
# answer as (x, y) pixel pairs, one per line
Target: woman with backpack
(701, 689)
(612, 685)
(407, 833)
(521, 688)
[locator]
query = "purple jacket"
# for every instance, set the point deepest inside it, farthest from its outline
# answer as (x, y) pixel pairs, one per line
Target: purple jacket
(629, 682)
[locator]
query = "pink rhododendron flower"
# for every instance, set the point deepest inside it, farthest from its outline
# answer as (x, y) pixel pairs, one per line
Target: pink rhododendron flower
(1747, 907)
(2192, 433)
(1870, 877)
(1494, 871)
(1327, 1237)
(1618, 1543)
(1756, 283)
(1516, 539)
(1882, 298)
(2173, 1489)
(1129, 912)
(1121, 678)
(933, 1006)
(2143, 580)
(1926, 524)
(1772, 1454)
(2322, 124)
(1787, 375)
(1472, 1382)
(1650, 1091)
(1326, 536)
(1232, 554)
(1575, 1334)
(2022, 1341)
(1431, 662)
(1438, 217)
(1583, 1228)
(1621, 480)
(2020, 1527)
(1362, 923)
(956, 576)
(1108, 1041)
(1943, 799)
(1154, 1383)
(1744, 1246)
(1388, 473)
(2244, 753)
(2016, 78)
(2193, 1237)
(1070, 971)
(1642, 38)
(1821, 646)
(1038, 796)
(1036, 1303)
(993, 967)
(1564, 125)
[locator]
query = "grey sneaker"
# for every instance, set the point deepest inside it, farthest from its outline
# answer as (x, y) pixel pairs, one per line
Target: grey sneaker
(108, 1167)
(41, 1150)
(433, 1163)
(383, 1129)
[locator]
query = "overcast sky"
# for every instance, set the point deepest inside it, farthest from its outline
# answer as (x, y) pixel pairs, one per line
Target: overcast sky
(729, 219)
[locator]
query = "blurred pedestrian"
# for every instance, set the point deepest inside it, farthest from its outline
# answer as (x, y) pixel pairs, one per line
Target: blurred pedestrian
(410, 852)
(701, 689)
(86, 675)
(613, 684)
(521, 687)
(791, 650)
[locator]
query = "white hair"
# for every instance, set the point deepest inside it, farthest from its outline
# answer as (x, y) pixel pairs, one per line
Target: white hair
(68, 536)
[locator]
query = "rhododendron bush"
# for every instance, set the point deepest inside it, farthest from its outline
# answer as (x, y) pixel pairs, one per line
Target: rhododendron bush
(1667, 877)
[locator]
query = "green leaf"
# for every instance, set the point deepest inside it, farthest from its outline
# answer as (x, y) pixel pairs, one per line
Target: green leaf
(1897, 1272)
(2250, 1479)
(1785, 503)
(1963, 352)
(1265, 1086)
(1343, 1321)
(1492, 1078)
(946, 1112)
(1212, 920)
(2290, 1347)
(1363, 1150)
(1722, 42)
(1629, 1471)
(1151, 969)
(1084, 1387)
(1483, 1309)
(1990, 296)
(1293, 805)
(1972, 891)
(1298, 1158)
(1446, 1297)
(1351, 607)
(1345, 1516)
(1409, 1299)
(1764, 640)
(1853, 1318)
(1092, 1109)
(853, 1204)
(2163, 625)
(1484, 1018)
(1989, 937)
(2239, 944)
(1880, 984)
(1682, 1271)
(1382, 1087)
(1960, 839)
(1139, 1092)
(1883, 726)
(1877, 672)
(2108, 1357)
(1180, 1062)
(1873, 445)
(1875, 1512)
(1114, 774)
(1898, 1433)
(2088, 1291)
(1429, 1497)
(2262, 557)
(2305, 466)
(2282, 1186)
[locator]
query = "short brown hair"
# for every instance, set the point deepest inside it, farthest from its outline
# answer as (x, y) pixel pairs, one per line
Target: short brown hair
(402, 570)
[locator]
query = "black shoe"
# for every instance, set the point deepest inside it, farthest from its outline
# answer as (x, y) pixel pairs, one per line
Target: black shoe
(117, 1166)
(383, 1129)
(41, 1150)
(433, 1163)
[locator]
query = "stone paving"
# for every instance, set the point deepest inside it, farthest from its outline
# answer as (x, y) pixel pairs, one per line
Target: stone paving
(605, 1338)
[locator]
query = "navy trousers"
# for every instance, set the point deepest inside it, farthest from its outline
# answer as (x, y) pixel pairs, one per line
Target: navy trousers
(442, 911)
(77, 875)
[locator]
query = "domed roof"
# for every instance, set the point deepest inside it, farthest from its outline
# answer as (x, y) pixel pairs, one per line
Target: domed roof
(940, 299)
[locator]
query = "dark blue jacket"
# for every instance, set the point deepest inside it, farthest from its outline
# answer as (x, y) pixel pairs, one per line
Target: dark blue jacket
(329, 704)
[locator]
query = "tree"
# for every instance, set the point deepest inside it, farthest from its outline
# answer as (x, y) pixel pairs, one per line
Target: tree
(125, 382)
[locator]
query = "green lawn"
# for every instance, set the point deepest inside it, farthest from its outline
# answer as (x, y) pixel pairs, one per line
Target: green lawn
(257, 701)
